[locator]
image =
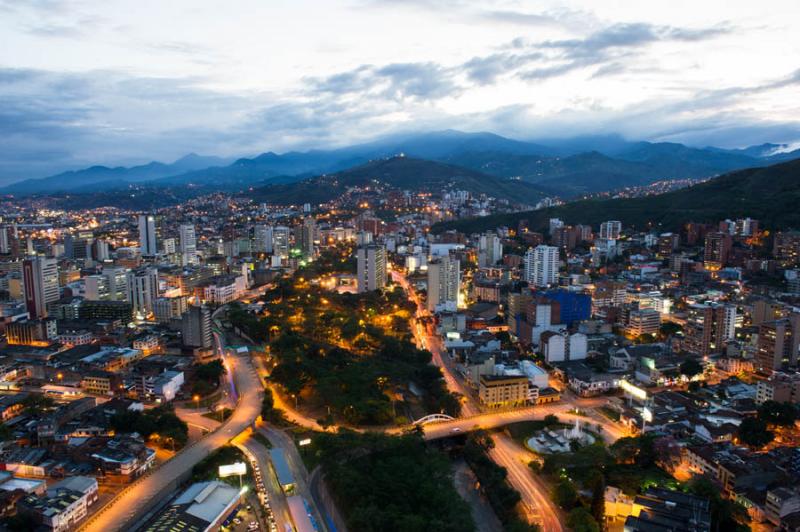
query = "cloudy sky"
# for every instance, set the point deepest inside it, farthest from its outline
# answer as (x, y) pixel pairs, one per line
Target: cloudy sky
(123, 82)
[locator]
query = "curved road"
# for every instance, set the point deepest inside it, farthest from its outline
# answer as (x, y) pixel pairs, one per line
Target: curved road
(131, 503)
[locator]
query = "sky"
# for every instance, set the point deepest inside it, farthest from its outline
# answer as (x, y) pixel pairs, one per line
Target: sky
(118, 82)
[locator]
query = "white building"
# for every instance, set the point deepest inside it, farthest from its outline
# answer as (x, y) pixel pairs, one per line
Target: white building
(188, 243)
(490, 250)
(444, 282)
(143, 290)
(40, 284)
(541, 266)
(280, 241)
(611, 230)
(262, 238)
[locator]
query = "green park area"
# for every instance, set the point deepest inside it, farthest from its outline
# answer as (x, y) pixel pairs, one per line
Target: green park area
(345, 358)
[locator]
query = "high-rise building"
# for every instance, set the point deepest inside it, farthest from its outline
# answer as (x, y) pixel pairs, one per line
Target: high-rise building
(541, 266)
(778, 343)
(147, 235)
(95, 288)
(187, 240)
(5, 240)
(444, 283)
(717, 250)
(168, 245)
(143, 290)
(40, 282)
(196, 327)
(116, 283)
(371, 268)
(262, 238)
(709, 326)
(490, 250)
(308, 234)
(611, 230)
(280, 241)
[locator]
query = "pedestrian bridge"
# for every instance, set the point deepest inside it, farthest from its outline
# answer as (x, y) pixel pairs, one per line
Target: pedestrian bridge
(433, 418)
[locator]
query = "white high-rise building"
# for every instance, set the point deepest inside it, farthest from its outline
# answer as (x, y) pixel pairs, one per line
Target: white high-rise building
(188, 243)
(262, 238)
(371, 268)
(444, 282)
(143, 290)
(116, 283)
(541, 266)
(147, 235)
(40, 284)
(280, 241)
(611, 230)
(168, 245)
(490, 250)
(5, 247)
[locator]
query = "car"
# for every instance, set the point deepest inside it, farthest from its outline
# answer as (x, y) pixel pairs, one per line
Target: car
(456, 429)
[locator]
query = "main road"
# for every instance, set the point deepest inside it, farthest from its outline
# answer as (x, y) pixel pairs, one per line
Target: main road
(133, 501)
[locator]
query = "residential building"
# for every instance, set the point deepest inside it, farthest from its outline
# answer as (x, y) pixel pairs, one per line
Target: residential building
(503, 390)
(541, 266)
(444, 283)
(40, 283)
(371, 268)
(147, 235)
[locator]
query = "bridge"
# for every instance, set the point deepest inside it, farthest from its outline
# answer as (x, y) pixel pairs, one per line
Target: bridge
(433, 418)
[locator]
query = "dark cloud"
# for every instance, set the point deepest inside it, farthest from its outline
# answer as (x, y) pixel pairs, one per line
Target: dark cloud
(398, 81)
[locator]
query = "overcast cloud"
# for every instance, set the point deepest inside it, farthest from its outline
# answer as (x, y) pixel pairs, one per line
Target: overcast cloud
(115, 82)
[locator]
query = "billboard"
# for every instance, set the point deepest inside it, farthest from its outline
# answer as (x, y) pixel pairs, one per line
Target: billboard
(236, 468)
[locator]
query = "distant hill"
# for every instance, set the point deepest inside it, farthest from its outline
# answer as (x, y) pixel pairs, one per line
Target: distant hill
(403, 173)
(104, 178)
(770, 194)
(569, 167)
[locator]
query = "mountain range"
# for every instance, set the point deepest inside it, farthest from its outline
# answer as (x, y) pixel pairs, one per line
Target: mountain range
(566, 167)
(770, 194)
(403, 173)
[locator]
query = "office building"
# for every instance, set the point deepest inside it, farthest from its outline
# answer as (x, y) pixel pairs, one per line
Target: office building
(147, 235)
(371, 268)
(541, 266)
(40, 284)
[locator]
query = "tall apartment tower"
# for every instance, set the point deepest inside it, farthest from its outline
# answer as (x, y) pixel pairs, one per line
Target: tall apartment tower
(541, 266)
(490, 250)
(147, 235)
(196, 327)
(262, 238)
(717, 250)
(778, 343)
(611, 230)
(40, 284)
(187, 242)
(143, 290)
(308, 234)
(444, 282)
(709, 327)
(280, 241)
(371, 268)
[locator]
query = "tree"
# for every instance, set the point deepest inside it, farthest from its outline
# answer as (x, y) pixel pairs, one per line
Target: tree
(668, 329)
(775, 413)
(691, 367)
(753, 431)
(565, 495)
(580, 520)
(598, 505)
(211, 372)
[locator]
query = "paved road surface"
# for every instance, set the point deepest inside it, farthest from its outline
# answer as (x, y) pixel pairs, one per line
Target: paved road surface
(611, 431)
(277, 499)
(130, 503)
(535, 494)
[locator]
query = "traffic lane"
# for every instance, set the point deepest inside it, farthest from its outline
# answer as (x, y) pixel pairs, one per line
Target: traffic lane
(610, 431)
(535, 495)
(131, 502)
(275, 495)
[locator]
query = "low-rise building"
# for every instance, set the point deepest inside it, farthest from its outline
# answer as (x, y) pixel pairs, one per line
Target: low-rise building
(501, 390)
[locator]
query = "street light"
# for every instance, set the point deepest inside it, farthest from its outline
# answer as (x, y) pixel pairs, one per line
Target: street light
(197, 401)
